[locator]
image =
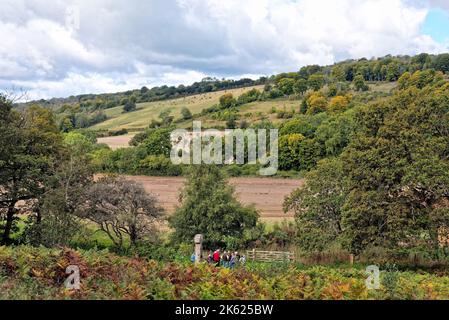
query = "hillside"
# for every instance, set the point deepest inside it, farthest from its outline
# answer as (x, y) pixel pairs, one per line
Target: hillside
(139, 119)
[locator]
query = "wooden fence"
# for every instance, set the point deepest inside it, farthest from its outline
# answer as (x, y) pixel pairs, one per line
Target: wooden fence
(269, 256)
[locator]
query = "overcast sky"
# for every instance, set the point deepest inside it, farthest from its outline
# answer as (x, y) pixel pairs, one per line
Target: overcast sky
(60, 48)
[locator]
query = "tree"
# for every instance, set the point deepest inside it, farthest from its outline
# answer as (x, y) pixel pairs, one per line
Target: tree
(316, 103)
(315, 82)
(441, 63)
(318, 204)
(158, 142)
(54, 221)
(398, 171)
(359, 83)
(338, 104)
(297, 152)
(227, 101)
(300, 125)
(30, 144)
(166, 118)
(129, 106)
(286, 86)
(300, 86)
(208, 206)
(334, 134)
(122, 209)
(338, 73)
(186, 114)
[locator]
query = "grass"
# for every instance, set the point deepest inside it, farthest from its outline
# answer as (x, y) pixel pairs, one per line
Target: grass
(146, 112)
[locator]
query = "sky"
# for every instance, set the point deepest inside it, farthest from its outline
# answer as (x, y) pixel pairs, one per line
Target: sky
(70, 47)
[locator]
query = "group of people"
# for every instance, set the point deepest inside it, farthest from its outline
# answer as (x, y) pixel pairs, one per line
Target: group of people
(226, 259)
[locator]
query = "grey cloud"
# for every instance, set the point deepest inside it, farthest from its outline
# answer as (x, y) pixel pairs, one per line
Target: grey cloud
(131, 42)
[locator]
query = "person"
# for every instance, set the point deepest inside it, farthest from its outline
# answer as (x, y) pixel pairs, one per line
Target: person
(216, 257)
(232, 260)
(192, 257)
(237, 256)
(226, 259)
(210, 258)
(242, 260)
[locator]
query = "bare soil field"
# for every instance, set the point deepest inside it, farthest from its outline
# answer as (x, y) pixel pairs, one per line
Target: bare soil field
(267, 194)
(117, 141)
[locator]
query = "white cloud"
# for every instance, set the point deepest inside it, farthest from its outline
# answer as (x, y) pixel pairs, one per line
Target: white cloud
(126, 44)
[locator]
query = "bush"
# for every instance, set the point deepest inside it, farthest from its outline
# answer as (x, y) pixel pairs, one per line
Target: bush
(39, 273)
(186, 114)
(119, 132)
(158, 165)
(129, 106)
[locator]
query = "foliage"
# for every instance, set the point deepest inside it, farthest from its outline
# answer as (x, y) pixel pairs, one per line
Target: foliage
(397, 168)
(122, 209)
(158, 165)
(227, 101)
(317, 206)
(54, 222)
(315, 82)
(37, 273)
(338, 104)
(297, 152)
(208, 206)
(316, 103)
(186, 114)
(286, 86)
(30, 145)
(158, 142)
(392, 174)
(359, 83)
(129, 106)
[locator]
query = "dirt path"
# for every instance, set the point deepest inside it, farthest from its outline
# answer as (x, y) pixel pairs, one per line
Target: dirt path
(267, 194)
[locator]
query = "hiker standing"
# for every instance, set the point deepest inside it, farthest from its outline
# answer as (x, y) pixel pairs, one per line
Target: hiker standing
(210, 258)
(232, 260)
(216, 257)
(226, 259)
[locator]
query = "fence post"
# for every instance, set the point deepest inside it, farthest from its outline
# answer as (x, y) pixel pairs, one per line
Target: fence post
(254, 255)
(351, 259)
(198, 239)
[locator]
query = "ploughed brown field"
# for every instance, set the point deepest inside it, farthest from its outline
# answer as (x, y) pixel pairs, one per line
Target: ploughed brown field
(117, 141)
(267, 194)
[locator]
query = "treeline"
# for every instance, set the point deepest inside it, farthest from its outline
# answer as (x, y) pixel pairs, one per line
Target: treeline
(388, 68)
(75, 117)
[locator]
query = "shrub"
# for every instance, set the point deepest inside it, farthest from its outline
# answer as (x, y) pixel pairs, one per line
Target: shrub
(158, 165)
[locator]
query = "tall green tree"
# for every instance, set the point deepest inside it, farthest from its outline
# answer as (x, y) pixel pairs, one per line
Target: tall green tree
(208, 206)
(318, 206)
(30, 143)
(315, 81)
(398, 170)
(300, 86)
(359, 83)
